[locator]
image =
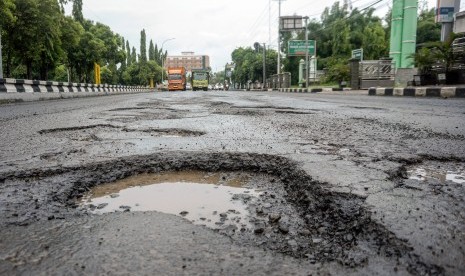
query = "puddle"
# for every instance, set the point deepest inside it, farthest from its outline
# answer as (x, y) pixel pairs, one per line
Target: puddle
(216, 200)
(447, 172)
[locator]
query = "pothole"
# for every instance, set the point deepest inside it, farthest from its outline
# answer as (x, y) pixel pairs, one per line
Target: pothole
(210, 199)
(294, 112)
(112, 132)
(288, 212)
(440, 172)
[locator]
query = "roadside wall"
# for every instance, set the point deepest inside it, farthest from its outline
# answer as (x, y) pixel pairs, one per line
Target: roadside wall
(29, 90)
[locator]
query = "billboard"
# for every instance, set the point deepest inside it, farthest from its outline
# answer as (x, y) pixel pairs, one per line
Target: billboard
(290, 23)
(297, 47)
(446, 9)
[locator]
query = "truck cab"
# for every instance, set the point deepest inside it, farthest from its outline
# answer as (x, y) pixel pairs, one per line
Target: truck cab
(176, 79)
(200, 79)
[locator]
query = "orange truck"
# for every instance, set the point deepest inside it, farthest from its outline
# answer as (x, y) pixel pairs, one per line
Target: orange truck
(176, 78)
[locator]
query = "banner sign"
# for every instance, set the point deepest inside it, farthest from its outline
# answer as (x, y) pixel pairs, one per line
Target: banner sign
(297, 47)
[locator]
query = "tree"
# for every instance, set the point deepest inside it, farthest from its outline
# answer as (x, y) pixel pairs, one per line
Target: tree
(50, 50)
(143, 47)
(6, 17)
(151, 51)
(133, 56)
(34, 38)
(77, 11)
(427, 30)
(71, 33)
(156, 54)
(128, 54)
(92, 50)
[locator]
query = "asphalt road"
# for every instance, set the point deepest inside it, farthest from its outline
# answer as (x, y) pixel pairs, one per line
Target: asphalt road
(363, 183)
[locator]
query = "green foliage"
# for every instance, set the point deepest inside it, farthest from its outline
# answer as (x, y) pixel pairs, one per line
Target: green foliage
(7, 8)
(151, 51)
(338, 70)
(77, 11)
(143, 47)
(424, 60)
(428, 30)
(60, 73)
(40, 42)
(106, 75)
(249, 64)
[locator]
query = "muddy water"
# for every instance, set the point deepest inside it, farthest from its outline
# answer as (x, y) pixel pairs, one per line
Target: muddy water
(203, 198)
(450, 172)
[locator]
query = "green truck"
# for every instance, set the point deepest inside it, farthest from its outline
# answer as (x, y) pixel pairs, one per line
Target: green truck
(200, 79)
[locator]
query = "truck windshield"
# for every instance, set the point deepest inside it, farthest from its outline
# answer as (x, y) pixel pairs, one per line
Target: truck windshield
(200, 76)
(174, 77)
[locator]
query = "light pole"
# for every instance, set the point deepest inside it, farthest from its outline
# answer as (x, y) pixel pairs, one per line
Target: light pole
(163, 59)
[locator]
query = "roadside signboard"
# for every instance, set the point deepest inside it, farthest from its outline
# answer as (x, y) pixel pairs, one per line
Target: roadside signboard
(290, 23)
(445, 10)
(297, 47)
(358, 54)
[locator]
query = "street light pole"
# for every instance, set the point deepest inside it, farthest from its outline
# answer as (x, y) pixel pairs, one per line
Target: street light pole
(163, 59)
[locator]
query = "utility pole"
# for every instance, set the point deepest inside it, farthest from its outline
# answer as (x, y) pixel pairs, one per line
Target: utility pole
(264, 66)
(306, 53)
(279, 36)
(1, 57)
(269, 22)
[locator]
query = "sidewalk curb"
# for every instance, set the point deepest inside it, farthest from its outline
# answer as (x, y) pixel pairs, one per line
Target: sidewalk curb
(444, 92)
(310, 90)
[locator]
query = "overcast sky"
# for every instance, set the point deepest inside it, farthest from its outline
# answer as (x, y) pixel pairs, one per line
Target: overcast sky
(208, 27)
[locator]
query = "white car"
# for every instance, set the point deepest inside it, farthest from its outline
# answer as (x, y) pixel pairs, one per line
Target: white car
(188, 86)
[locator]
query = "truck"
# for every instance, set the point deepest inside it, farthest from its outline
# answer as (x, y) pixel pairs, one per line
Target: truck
(200, 79)
(176, 79)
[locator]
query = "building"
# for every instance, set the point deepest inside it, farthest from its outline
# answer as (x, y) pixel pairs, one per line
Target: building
(188, 60)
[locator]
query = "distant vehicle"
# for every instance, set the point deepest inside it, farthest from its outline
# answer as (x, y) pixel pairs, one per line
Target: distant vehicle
(200, 79)
(176, 78)
(210, 87)
(188, 86)
(218, 86)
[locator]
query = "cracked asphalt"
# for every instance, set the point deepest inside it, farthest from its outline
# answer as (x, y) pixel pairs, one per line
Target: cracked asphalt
(336, 168)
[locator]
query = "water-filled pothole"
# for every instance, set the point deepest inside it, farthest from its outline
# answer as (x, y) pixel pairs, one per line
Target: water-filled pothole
(442, 172)
(216, 200)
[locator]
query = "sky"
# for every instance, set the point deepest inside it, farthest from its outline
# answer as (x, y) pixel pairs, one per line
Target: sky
(207, 27)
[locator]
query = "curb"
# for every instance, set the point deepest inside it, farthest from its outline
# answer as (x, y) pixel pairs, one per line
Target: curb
(311, 90)
(444, 92)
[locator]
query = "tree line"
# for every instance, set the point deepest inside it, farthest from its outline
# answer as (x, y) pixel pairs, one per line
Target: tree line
(339, 30)
(40, 42)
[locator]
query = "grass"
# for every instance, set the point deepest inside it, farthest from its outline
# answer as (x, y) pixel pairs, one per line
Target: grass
(10, 101)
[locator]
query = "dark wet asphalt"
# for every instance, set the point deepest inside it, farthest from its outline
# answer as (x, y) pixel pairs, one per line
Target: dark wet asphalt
(351, 144)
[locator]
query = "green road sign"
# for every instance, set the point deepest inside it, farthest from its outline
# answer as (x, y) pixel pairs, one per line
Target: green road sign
(358, 54)
(297, 47)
